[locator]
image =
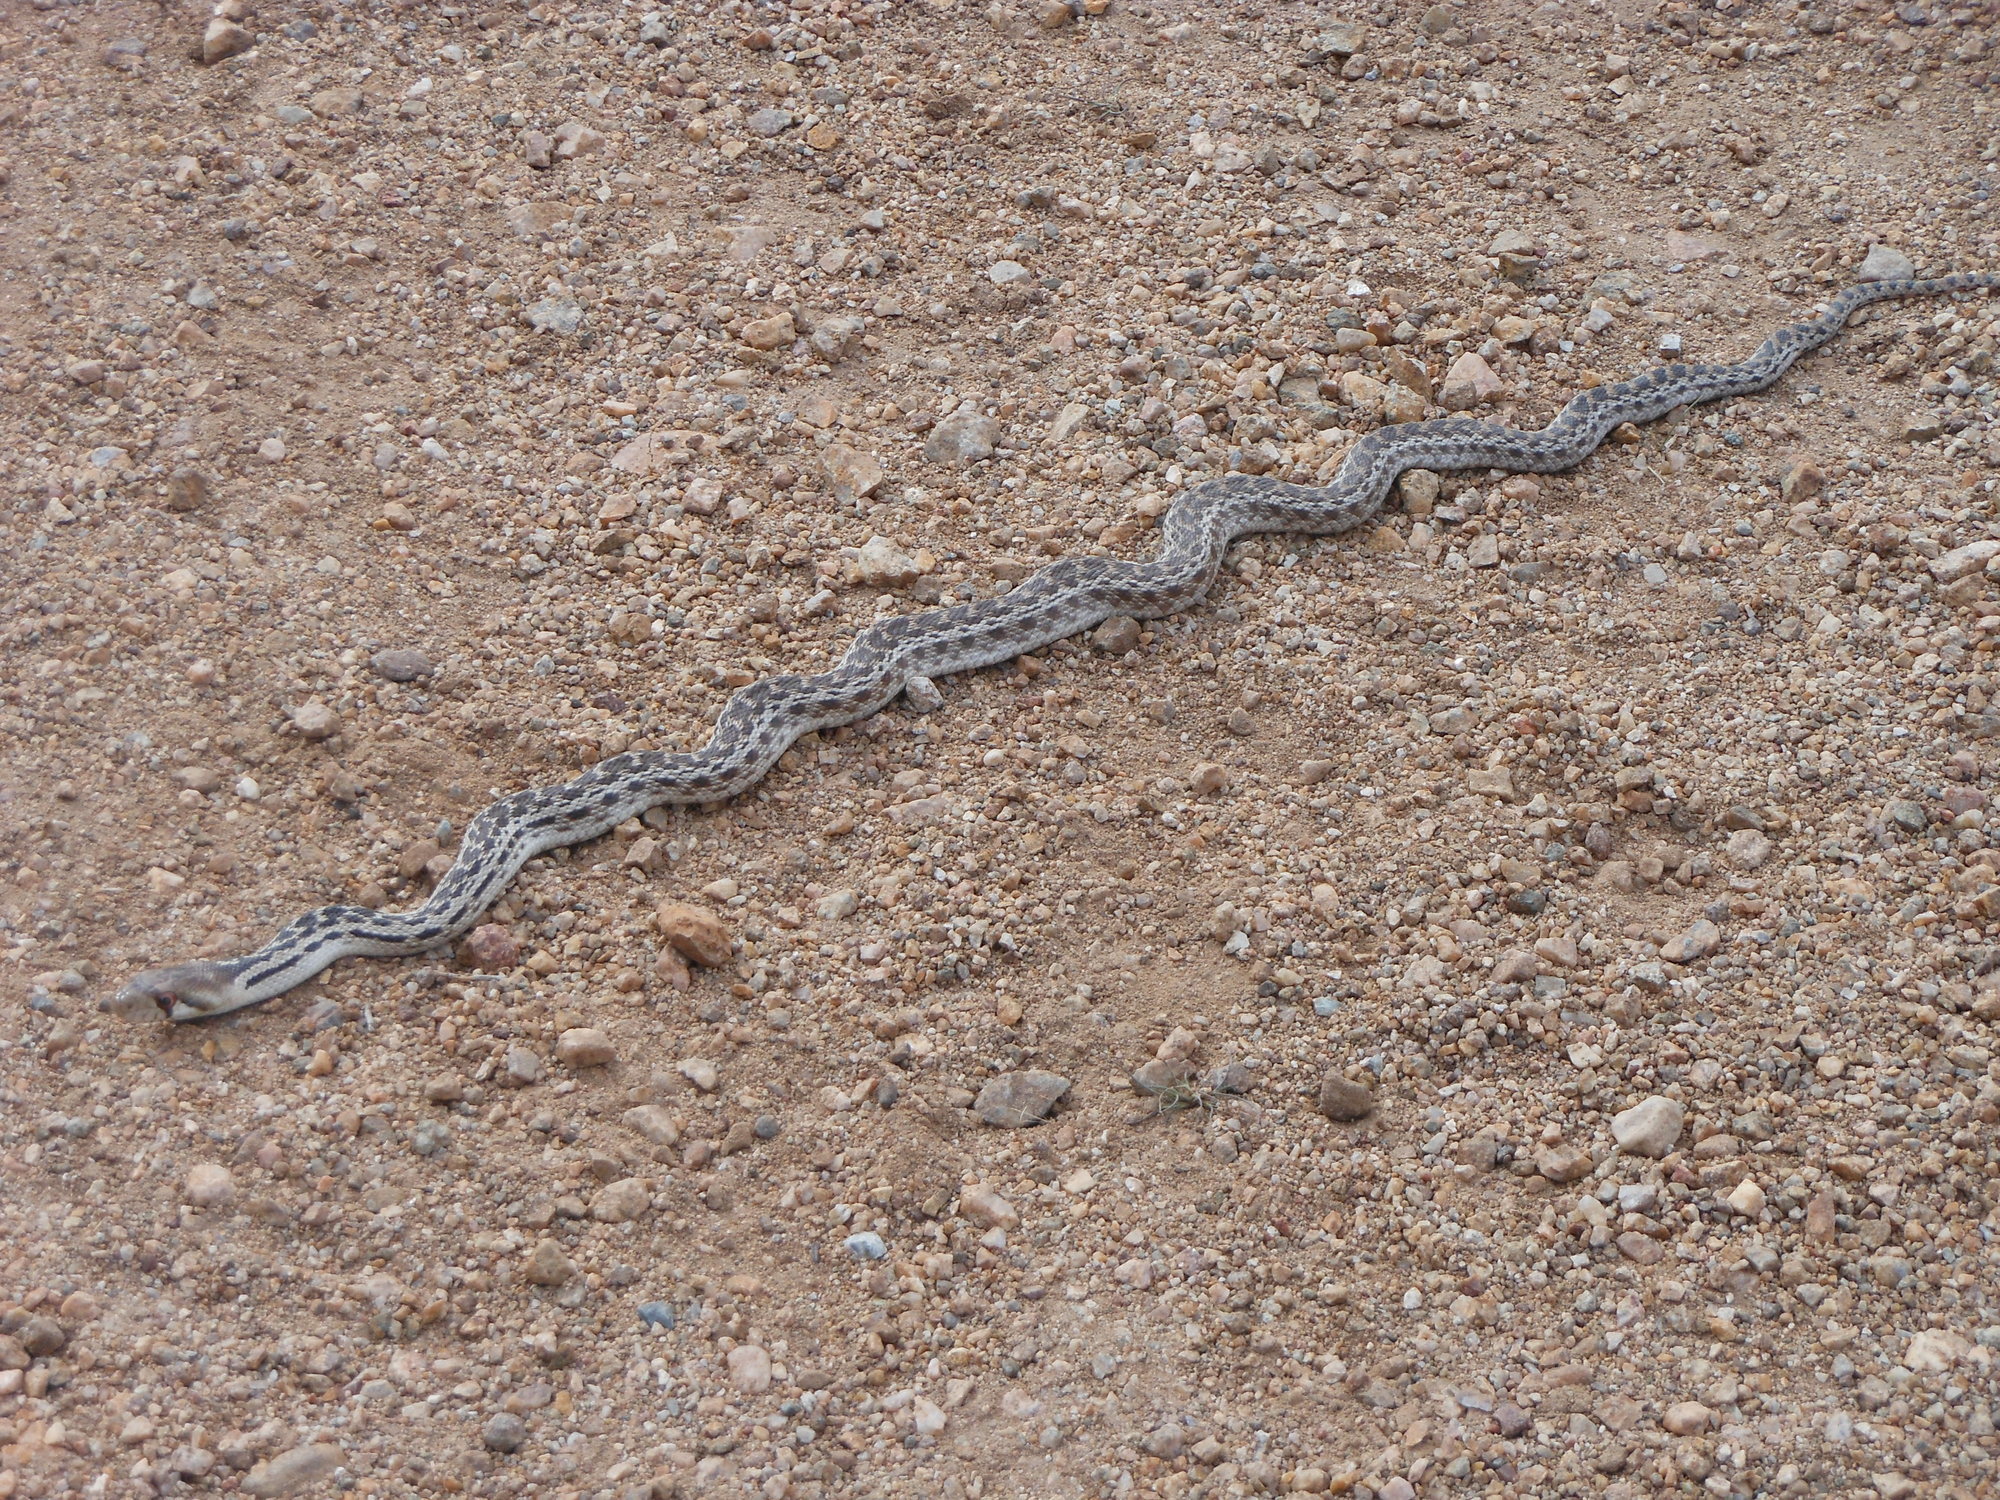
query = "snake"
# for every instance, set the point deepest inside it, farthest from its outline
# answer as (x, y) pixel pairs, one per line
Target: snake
(904, 653)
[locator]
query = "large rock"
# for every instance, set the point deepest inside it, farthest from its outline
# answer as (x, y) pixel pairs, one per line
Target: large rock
(1469, 381)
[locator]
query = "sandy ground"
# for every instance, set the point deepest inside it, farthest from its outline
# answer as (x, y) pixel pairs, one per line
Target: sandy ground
(1496, 1003)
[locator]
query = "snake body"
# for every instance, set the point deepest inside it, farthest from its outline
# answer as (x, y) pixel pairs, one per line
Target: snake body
(760, 721)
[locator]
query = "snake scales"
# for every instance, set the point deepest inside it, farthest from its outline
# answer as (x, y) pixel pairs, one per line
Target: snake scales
(762, 720)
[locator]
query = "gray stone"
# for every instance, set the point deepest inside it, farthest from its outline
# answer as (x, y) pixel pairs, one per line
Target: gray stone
(964, 437)
(1699, 941)
(1013, 1100)
(504, 1432)
(562, 315)
(400, 664)
(1884, 263)
(769, 122)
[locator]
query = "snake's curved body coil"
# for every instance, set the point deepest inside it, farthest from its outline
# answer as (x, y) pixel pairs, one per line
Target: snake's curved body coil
(1073, 594)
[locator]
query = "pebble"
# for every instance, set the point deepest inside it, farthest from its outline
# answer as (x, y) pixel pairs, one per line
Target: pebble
(1687, 1419)
(585, 1047)
(294, 1470)
(621, 1202)
(504, 1432)
(986, 1208)
(400, 664)
(696, 933)
(700, 1072)
(1012, 1100)
(1699, 941)
(491, 946)
(964, 437)
(546, 1265)
(750, 1369)
(1885, 263)
(882, 564)
(315, 721)
(1747, 849)
(1341, 1098)
(1651, 1127)
(210, 1185)
(867, 1245)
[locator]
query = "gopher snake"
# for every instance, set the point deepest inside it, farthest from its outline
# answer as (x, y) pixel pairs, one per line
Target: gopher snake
(762, 720)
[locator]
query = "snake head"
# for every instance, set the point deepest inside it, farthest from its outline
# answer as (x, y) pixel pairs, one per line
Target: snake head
(180, 992)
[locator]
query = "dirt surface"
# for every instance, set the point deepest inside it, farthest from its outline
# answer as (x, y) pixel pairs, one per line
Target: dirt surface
(1547, 929)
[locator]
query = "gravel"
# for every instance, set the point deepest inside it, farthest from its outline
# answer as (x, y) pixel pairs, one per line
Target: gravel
(1504, 999)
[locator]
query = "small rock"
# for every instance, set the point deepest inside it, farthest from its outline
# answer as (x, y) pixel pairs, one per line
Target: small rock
(523, 1067)
(621, 1202)
(400, 664)
(585, 1047)
(769, 122)
(1469, 381)
(655, 1122)
(834, 338)
(1563, 1162)
(558, 315)
(491, 946)
(1013, 1100)
(1000, 273)
(1341, 1098)
(41, 1336)
(293, 1469)
(986, 1208)
(773, 332)
(750, 1369)
(1747, 1198)
(884, 565)
(187, 489)
(224, 39)
(1747, 849)
(1117, 635)
(695, 933)
(1650, 1127)
(1640, 1249)
(504, 1432)
(1687, 1419)
(658, 1314)
(1161, 1074)
(209, 1185)
(851, 474)
(1935, 1350)
(315, 721)
(1165, 1442)
(964, 437)
(925, 1414)
(866, 1245)
(1516, 967)
(1885, 263)
(1699, 941)
(700, 1072)
(547, 1265)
